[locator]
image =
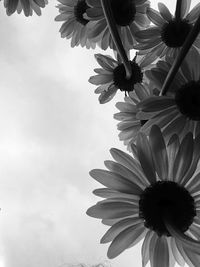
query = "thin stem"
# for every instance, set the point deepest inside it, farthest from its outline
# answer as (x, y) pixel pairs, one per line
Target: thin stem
(115, 36)
(179, 59)
(178, 9)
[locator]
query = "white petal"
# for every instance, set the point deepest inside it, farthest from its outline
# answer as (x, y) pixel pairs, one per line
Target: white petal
(130, 163)
(192, 257)
(159, 152)
(193, 166)
(164, 11)
(110, 193)
(145, 248)
(172, 149)
(126, 238)
(161, 253)
(107, 95)
(152, 247)
(125, 172)
(194, 13)
(155, 17)
(187, 241)
(118, 227)
(194, 185)
(145, 157)
(111, 210)
(185, 7)
(183, 158)
(178, 257)
(115, 181)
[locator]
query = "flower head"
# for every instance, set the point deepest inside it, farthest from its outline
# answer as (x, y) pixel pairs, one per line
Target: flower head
(179, 110)
(154, 196)
(75, 25)
(27, 6)
(129, 124)
(130, 16)
(168, 34)
(112, 76)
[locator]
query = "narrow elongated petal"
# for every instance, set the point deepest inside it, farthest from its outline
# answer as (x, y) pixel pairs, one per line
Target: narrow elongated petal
(152, 247)
(145, 157)
(187, 241)
(161, 253)
(192, 257)
(193, 166)
(126, 238)
(111, 210)
(177, 256)
(159, 152)
(115, 181)
(125, 172)
(145, 248)
(126, 160)
(118, 227)
(185, 7)
(194, 185)
(164, 11)
(110, 193)
(172, 149)
(156, 103)
(155, 17)
(107, 95)
(183, 158)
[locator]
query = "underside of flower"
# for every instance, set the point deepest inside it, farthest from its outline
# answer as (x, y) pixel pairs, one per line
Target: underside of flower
(166, 200)
(174, 32)
(79, 10)
(188, 100)
(120, 80)
(123, 11)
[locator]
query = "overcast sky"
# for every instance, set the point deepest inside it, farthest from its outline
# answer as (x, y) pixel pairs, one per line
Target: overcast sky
(52, 133)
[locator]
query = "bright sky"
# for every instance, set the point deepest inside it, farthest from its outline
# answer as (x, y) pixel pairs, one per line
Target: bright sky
(52, 133)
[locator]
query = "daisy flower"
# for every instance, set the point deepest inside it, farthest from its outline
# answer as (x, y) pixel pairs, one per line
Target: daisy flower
(179, 111)
(154, 196)
(129, 124)
(75, 25)
(129, 15)
(168, 34)
(28, 6)
(112, 76)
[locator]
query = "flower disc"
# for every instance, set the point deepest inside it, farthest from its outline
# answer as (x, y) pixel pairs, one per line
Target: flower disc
(166, 201)
(188, 100)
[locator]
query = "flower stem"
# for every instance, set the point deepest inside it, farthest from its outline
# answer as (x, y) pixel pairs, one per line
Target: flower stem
(178, 9)
(183, 52)
(115, 36)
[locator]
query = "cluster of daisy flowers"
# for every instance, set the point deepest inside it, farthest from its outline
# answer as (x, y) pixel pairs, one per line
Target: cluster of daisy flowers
(152, 191)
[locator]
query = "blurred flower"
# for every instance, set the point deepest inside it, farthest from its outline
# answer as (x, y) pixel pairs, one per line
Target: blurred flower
(168, 35)
(75, 25)
(179, 111)
(112, 76)
(154, 196)
(129, 124)
(27, 6)
(130, 16)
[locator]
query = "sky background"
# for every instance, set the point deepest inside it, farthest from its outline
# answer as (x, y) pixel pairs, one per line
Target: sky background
(52, 133)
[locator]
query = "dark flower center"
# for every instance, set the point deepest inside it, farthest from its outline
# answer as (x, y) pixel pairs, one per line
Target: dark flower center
(79, 10)
(188, 100)
(123, 11)
(166, 200)
(120, 80)
(174, 32)
(142, 122)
